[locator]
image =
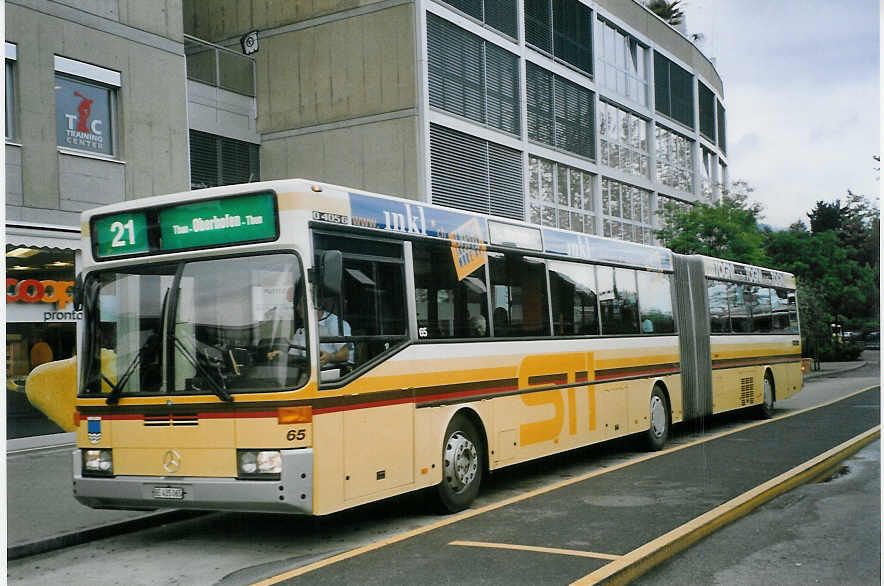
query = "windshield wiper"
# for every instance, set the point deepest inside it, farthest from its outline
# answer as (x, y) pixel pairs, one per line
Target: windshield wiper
(117, 388)
(220, 389)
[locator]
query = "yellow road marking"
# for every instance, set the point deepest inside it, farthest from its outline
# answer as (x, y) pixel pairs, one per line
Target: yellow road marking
(632, 565)
(555, 550)
(515, 499)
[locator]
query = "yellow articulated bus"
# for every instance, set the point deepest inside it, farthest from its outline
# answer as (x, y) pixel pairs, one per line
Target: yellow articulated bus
(302, 347)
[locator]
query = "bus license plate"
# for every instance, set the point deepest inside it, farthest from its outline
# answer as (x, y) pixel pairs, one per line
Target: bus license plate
(168, 492)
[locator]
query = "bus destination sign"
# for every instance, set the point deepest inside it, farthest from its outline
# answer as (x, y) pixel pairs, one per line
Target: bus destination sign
(121, 234)
(218, 222)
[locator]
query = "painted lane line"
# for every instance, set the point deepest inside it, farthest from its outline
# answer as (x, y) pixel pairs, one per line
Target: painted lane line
(554, 550)
(525, 496)
(632, 565)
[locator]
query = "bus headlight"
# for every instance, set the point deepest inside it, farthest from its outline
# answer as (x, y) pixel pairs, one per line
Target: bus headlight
(98, 463)
(259, 464)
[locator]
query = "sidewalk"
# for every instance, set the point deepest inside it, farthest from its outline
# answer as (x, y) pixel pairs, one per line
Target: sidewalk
(830, 368)
(43, 515)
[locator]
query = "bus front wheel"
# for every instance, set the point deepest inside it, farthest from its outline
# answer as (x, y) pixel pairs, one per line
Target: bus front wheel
(462, 464)
(658, 430)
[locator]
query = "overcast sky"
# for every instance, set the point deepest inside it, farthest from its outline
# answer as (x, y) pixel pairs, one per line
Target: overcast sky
(802, 93)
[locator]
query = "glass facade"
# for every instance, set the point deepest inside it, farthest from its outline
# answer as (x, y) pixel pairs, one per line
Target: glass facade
(560, 196)
(623, 140)
(41, 326)
(675, 162)
(623, 67)
(707, 165)
(626, 212)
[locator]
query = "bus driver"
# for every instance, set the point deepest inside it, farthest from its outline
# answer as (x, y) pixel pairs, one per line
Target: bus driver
(329, 352)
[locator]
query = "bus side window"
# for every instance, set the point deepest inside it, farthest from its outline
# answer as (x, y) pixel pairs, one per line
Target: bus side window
(518, 286)
(655, 303)
(780, 308)
(574, 299)
(618, 300)
(448, 307)
(741, 319)
(719, 319)
(759, 299)
(372, 301)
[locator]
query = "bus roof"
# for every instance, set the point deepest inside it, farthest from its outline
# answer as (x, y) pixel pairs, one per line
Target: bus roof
(336, 205)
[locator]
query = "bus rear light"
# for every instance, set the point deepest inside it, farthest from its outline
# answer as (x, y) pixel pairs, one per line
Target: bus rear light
(295, 414)
(98, 463)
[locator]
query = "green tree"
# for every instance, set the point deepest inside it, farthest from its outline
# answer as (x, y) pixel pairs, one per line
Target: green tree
(668, 11)
(728, 229)
(825, 216)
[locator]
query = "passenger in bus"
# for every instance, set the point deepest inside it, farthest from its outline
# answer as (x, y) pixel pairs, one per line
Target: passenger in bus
(478, 326)
(501, 321)
(647, 326)
(329, 352)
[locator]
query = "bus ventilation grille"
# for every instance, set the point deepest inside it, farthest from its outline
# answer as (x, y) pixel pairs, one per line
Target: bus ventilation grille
(747, 391)
(170, 420)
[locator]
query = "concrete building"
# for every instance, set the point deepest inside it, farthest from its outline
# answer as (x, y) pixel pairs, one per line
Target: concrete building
(583, 114)
(96, 112)
(589, 115)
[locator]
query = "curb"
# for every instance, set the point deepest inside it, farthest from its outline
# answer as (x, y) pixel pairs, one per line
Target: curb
(821, 373)
(640, 560)
(108, 530)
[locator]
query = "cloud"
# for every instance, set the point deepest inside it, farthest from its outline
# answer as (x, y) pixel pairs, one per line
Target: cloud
(801, 83)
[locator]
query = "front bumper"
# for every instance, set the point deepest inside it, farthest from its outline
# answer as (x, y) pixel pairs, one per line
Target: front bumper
(292, 493)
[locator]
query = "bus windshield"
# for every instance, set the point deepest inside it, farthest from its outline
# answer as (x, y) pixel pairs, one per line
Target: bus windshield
(197, 327)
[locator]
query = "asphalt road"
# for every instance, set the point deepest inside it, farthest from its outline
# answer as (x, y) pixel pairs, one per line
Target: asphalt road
(822, 533)
(235, 548)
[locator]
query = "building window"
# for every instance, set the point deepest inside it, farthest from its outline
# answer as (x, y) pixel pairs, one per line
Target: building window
(472, 174)
(623, 140)
(626, 212)
(721, 142)
(675, 164)
(663, 201)
(673, 90)
(562, 28)
(11, 55)
(560, 196)
(706, 101)
(707, 165)
(498, 14)
(560, 112)
(471, 77)
(216, 160)
(623, 64)
(85, 106)
(722, 176)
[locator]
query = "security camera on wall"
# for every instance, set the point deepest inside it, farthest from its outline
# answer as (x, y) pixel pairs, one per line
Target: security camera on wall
(249, 42)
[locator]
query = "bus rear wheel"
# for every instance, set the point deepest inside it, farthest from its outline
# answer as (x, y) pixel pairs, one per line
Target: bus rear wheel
(658, 430)
(462, 465)
(766, 409)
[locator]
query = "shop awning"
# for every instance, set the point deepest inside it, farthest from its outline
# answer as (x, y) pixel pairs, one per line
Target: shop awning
(37, 236)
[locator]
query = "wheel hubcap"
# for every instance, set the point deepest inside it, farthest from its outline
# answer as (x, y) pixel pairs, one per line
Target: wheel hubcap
(768, 394)
(461, 462)
(658, 416)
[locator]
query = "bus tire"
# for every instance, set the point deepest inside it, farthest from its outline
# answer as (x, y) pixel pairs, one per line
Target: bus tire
(660, 420)
(766, 409)
(462, 465)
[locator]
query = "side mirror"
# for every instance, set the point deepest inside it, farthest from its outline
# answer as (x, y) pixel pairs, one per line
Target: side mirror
(332, 269)
(78, 292)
